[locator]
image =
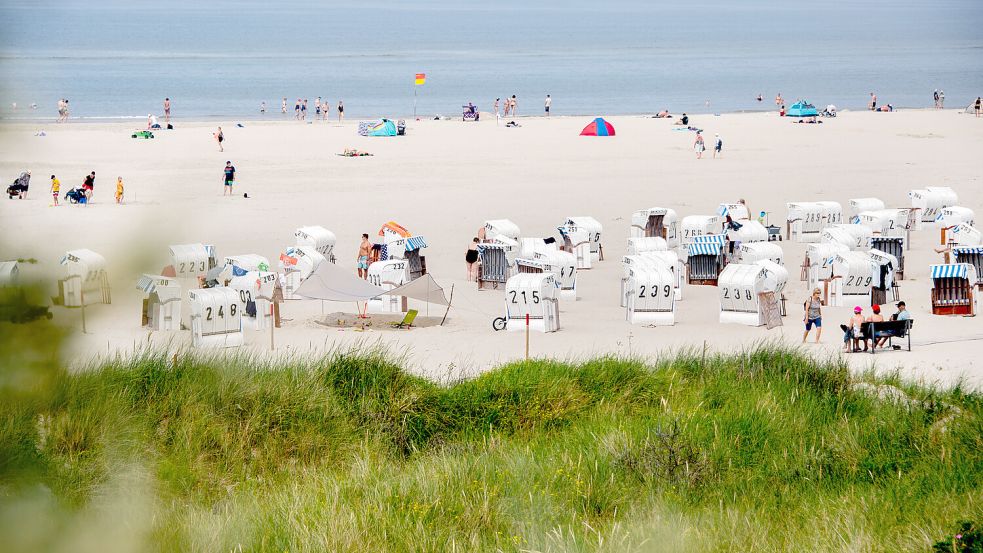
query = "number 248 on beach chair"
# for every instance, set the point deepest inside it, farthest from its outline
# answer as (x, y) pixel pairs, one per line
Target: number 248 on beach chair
(407, 319)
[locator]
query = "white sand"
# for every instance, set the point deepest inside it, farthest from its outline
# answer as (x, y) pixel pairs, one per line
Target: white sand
(445, 178)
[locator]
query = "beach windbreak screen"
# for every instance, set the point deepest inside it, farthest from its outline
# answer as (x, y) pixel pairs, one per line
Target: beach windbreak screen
(223, 58)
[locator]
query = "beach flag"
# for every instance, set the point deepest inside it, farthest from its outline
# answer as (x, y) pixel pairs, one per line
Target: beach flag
(421, 78)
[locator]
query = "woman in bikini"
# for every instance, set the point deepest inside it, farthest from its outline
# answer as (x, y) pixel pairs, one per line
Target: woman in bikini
(471, 258)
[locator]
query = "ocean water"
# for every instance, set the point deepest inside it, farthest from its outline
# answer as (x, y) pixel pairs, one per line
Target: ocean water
(219, 58)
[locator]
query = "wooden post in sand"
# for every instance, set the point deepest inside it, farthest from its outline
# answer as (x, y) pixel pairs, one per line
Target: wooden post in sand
(271, 327)
(527, 335)
(82, 301)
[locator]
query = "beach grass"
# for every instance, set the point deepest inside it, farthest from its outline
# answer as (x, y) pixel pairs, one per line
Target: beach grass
(763, 450)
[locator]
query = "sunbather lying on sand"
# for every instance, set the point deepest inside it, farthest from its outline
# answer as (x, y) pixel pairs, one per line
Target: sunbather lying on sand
(352, 152)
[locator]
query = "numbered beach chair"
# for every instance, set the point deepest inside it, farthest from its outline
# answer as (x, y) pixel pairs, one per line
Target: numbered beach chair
(649, 296)
(258, 298)
(706, 259)
(951, 217)
(317, 237)
(532, 294)
(806, 220)
(297, 263)
(894, 246)
(582, 237)
(973, 255)
(693, 226)
(387, 275)
(953, 290)
(86, 280)
(655, 222)
(855, 237)
(737, 211)
(858, 205)
(753, 252)
(853, 278)
(741, 288)
(929, 202)
(9, 274)
(639, 244)
(192, 261)
(216, 317)
(162, 305)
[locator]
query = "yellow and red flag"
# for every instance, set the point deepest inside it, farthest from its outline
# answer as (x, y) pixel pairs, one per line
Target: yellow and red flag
(421, 78)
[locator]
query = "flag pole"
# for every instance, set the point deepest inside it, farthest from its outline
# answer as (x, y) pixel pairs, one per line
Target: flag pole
(414, 101)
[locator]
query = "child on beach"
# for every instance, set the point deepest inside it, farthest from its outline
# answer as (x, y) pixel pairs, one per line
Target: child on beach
(119, 190)
(55, 188)
(230, 177)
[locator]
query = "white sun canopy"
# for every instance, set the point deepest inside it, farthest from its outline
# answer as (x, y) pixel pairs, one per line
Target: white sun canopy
(333, 283)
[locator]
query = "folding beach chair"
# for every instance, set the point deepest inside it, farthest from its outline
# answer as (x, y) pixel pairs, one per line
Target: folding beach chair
(407, 319)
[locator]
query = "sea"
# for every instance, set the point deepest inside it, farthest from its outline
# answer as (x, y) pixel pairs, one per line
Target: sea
(221, 58)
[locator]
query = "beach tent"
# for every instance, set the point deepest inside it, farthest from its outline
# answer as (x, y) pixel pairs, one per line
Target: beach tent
(598, 127)
(531, 297)
(802, 109)
(333, 283)
(216, 317)
(952, 289)
(380, 127)
(654, 221)
(649, 295)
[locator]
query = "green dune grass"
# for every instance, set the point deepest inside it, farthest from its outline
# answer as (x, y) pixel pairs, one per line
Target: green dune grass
(764, 450)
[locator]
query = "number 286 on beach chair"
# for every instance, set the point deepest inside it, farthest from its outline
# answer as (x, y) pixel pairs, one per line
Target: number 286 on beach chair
(407, 321)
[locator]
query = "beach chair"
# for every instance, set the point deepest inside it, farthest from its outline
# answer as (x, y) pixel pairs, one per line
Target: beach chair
(407, 319)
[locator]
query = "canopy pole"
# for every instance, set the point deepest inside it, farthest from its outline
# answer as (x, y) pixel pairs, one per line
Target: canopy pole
(449, 302)
(414, 103)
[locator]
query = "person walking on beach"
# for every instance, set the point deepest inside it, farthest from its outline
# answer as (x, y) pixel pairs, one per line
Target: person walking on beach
(718, 146)
(978, 105)
(303, 110)
(699, 146)
(119, 190)
(364, 250)
(471, 258)
(230, 177)
(297, 109)
(317, 108)
(873, 102)
(341, 115)
(941, 99)
(549, 102)
(497, 112)
(220, 138)
(167, 110)
(813, 308)
(505, 107)
(89, 187)
(55, 189)
(262, 106)
(283, 105)
(935, 96)
(513, 105)
(779, 100)
(325, 110)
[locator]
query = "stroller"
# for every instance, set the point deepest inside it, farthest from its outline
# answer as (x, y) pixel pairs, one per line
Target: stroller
(20, 186)
(75, 196)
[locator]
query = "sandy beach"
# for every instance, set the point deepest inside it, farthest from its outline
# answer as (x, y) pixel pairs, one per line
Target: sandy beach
(445, 178)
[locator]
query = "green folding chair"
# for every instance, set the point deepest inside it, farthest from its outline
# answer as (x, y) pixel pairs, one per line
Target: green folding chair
(407, 319)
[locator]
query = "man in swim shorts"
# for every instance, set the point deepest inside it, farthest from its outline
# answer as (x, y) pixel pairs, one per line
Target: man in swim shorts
(230, 177)
(364, 249)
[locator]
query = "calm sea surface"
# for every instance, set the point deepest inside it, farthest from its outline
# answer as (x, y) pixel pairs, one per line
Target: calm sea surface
(221, 58)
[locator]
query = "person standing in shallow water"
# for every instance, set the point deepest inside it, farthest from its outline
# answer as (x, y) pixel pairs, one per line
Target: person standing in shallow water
(220, 138)
(167, 110)
(341, 111)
